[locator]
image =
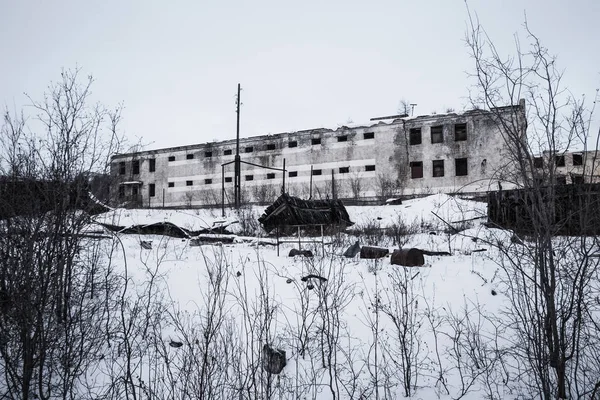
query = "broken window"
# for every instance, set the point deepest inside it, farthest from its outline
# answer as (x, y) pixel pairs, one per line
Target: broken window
(208, 154)
(369, 135)
(317, 172)
(249, 177)
(171, 184)
(293, 143)
(437, 134)
(208, 181)
(228, 179)
(369, 168)
(460, 132)
(135, 167)
(415, 136)
(152, 166)
(344, 170)
(152, 190)
(438, 168)
(271, 146)
(171, 158)
(189, 183)
(227, 152)
(315, 141)
(559, 161)
(577, 159)
(416, 169)
(189, 156)
(249, 149)
(121, 191)
(293, 174)
(342, 138)
(122, 168)
(538, 162)
(461, 167)
(271, 175)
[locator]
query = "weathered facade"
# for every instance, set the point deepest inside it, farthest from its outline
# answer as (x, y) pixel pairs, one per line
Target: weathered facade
(575, 167)
(401, 156)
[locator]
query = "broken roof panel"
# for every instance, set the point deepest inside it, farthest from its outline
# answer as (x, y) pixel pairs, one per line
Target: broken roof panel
(291, 211)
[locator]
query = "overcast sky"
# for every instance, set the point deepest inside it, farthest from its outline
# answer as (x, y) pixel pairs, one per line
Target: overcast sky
(175, 65)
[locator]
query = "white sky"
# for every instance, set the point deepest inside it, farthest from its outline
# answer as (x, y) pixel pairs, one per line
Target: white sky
(175, 65)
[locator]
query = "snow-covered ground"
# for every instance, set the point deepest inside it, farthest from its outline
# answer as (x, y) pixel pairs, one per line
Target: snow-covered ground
(390, 328)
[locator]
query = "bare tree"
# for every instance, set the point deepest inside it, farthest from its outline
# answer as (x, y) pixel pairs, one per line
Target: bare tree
(550, 281)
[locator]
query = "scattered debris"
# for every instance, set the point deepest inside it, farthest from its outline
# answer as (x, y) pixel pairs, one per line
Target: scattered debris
(433, 233)
(288, 280)
(373, 252)
(353, 250)
(273, 359)
(289, 211)
(494, 292)
(478, 250)
(146, 244)
(408, 257)
(212, 239)
(175, 344)
(435, 253)
(393, 202)
(305, 253)
(238, 274)
(312, 276)
(310, 286)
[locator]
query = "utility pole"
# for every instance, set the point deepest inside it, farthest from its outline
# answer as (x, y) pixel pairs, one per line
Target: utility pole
(237, 177)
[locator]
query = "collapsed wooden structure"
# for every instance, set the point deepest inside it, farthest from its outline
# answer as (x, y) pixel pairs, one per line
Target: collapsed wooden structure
(288, 211)
(568, 209)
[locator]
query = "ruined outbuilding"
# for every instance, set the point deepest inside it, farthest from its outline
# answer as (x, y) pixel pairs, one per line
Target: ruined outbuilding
(288, 211)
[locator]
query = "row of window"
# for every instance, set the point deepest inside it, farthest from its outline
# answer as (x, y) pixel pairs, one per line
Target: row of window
(559, 161)
(460, 168)
(437, 134)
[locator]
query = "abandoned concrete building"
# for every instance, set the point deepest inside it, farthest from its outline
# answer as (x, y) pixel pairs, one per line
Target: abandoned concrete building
(571, 167)
(389, 157)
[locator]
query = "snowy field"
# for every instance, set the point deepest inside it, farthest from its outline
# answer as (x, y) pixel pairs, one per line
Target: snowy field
(371, 330)
(193, 318)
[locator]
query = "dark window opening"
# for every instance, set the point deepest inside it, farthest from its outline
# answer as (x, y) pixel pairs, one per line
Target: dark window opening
(135, 167)
(207, 181)
(208, 154)
(538, 162)
(461, 167)
(561, 180)
(122, 168)
(438, 168)
(121, 191)
(342, 138)
(293, 144)
(415, 136)
(460, 132)
(369, 168)
(577, 159)
(416, 169)
(437, 134)
(189, 183)
(315, 141)
(152, 190)
(271, 146)
(369, 135)
(293, 174)
(134, 190)
(317, 172)
(152, 166)
(559, 161)
(171, 158)
(249, 149)
(344, 170)
(577, 179)
(249, 177)
(271, 175)
(228, 179)
(171, 184)
(189, 156)
(228, 152)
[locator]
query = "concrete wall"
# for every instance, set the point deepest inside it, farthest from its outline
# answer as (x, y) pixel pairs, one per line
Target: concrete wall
(368, 162)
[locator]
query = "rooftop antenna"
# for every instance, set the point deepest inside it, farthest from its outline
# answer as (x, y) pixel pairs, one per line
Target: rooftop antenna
(412, 109)
(236, 179)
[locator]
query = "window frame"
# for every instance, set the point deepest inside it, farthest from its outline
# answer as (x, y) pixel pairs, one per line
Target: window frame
(458, 161)
(434, 134)
(415, 136)
(416, 166)
(436, 165)
(460, 135)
